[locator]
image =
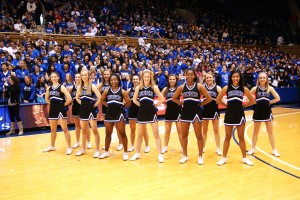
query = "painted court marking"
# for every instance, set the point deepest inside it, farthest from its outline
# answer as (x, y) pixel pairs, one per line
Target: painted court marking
(267, 154)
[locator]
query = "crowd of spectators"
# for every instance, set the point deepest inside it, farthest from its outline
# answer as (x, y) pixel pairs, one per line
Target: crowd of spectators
(32, 61)
(134, 18)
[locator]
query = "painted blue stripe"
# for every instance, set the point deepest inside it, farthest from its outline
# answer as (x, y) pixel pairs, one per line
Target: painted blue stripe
(298, 177)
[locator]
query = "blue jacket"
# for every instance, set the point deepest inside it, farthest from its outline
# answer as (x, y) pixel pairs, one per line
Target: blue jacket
(161, 81)
(28, 93)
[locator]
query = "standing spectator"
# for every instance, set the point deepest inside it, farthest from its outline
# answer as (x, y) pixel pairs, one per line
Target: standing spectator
(13, 94)
(161, 80)
(22, 72)
(28, 90)
(41, 88)
(31, 7)
(224, 75)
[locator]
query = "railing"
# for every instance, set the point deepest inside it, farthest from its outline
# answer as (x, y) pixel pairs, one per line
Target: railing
(295, 49)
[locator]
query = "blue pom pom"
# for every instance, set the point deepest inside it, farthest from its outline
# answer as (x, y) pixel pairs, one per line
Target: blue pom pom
(96, 110)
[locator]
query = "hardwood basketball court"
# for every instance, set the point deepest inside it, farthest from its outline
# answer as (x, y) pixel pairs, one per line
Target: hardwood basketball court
(28, 173)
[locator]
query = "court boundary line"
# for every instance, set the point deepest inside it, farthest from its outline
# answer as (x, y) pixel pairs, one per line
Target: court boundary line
(263, 161)
(267, 154)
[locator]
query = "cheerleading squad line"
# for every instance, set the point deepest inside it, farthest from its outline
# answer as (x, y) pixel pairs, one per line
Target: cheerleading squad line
(143, 109)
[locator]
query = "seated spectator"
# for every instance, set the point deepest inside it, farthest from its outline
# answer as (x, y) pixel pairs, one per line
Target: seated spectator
(22, 72)
(27, 91)
(17, 25)
(68, 83)
(49, 28)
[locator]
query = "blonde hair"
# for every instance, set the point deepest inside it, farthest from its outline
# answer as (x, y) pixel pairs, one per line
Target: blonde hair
(267, 82)
(89, 87)
(209, 73)
(152, 83)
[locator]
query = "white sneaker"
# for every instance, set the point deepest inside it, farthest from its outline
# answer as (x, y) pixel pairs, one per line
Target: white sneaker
(131, 149)
(219, 152)
(89, 145)
(251, 151)
(247, 161)
(135, 157)
(76, 145)
(164, 150)
(200, 160)
(119, 147)
(96, 154)
(50, 148)
(69, 151)
(81, 152)
(161, 158)
(184, 159)
(147, 149)
(125, 156)
(276, 153)
(104, 155)
(222, 161)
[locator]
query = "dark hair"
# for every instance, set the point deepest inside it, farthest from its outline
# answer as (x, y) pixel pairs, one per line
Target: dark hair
(133, 75)
(40, 84)
(117, 76)
(168, 85)
(49, 69)
(194, 72)
(241, 83)
(15, 80)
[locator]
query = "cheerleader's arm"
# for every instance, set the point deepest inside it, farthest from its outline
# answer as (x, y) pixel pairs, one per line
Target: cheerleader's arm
(135, 96)
(98, 95)
(67, 95)
(47, 99)
(159, 95)
(275, 95)
(176, 96)
(220, 96)
(250, 97)
(103, 97)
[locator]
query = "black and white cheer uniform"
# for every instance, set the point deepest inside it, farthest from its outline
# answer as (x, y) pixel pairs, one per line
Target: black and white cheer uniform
(114, 112)
(262, 111)
(211, 110)
(234, 115)
(57, 100)
(173, 109)
(191, 99)
(147, 110)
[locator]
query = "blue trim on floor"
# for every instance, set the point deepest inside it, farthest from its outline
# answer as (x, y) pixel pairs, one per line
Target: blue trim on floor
(261, 160)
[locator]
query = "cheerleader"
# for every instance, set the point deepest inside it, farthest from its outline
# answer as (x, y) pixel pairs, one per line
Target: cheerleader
(191, 92)
(133, 114)
(262, 111)
(147, 112)
(211, 111)
(88, 109)
(113, 98)
(234, 115)
(172, 111)
(59, 98)
(76, 108)
(102, 87)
